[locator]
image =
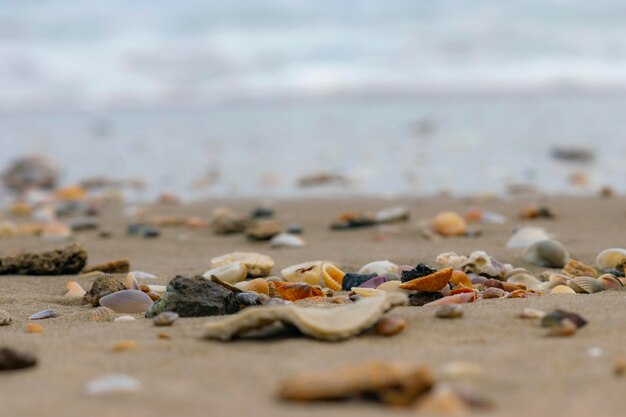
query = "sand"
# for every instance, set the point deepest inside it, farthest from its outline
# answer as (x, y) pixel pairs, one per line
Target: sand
(524, 372)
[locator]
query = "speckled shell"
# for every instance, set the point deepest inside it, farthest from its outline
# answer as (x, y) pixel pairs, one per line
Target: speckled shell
(333, 276)
(5, 318)
(257, 285)
(430, 283)
(562, 289)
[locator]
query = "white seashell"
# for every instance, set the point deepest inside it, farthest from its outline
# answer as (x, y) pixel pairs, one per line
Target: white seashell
(44, 314)
(309, 272)
(379, 268)
(131, 282)
(142, 275)
(451, 259)
(122, 319)
(392, 214)
(113, 384)
(547, 253)
(528, 280)
(609, 258)
(157, 288)
(287, 240)
(127, 301)
(232, 273)
(74, 290)
(526, 236)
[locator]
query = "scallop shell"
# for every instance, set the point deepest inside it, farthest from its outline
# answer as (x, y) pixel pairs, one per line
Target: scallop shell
(127, 301)
(562, 289)
(430, 283)
(546, 253)
(258, 265)
(102, 314)
(309, 272)
(74, 290)
(332, 276)
(368, 292)
(588, 285)
(332, 324)
(44, 314)
(527, 280)
(258, 285)
(232, 272)
(610, 281)
(287, 240)
(292, 291)
(526, 236)
(609, 258)
(378, 268)
(5, 318)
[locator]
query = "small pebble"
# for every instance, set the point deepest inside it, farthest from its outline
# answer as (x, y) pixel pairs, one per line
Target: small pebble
(564, 328)
(294, 229)
(124, 345)
(532, 313)
(595, 352)
(34, 328)
(449, 311)
(11, 359)
(122, 319)
(166, 318)
(5, 318)
(113, 384)
(388, 326)
(164, 336)
(619, 366)
(248, 298)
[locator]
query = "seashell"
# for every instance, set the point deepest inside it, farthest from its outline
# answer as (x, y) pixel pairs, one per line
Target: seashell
(124, 345)
(460, 279)
(515, 271)
(293, 291)
(373, 282)
(56, 231)
(164, 336)
(391, 383)
(154, 296)
(480, 262)
(610, 258)
(610, 281)
(532, 313)
(430, 283)
(587, 284)
(562, 289)
(166, 318)
(257, 285)
(92, 274)
(287, 240)
(547, 253)
(142, 275)
(231, 273)
(619, 366)
(529, 281)
(368, 292)
(131, 282)
(263, 229)
(493, 292)
(34, 328)
(449, 223)
(44, 314)
(5, 318)
(102, 314)
(157, 288)
(113, 384)
(575, 268)
(524, 237)
(127, 301)
(510, 287)
(563, 328)
(308, 272)
(451, 259)
(389, 325)
(74, 290)
(547, 286)
(461, 370)
(559, 279)
(258, 265)
(123, 319)
(378, 268)
(392, 215)
(354, 280)
(333, 276)
(449, 311)
(555, 317)
(453, 299)
(332, 324)
(391, 286)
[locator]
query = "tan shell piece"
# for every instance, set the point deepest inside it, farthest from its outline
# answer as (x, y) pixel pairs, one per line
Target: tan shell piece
(574, 268)
(330, 324)
(562, 289)
(368, 292)
(74, 290)
(258, 265)
(258, 285)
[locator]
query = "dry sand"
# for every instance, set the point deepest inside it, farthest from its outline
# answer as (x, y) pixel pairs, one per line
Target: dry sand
(525, 372)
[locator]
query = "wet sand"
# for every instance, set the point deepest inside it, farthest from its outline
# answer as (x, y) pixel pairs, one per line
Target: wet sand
(524, 372)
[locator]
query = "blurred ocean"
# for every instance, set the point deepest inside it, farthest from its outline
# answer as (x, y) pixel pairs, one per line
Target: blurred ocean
(402, 97)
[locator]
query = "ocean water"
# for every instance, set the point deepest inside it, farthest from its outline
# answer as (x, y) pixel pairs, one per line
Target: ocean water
(399, 98)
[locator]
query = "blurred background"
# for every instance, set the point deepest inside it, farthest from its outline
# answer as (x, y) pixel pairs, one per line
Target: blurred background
(288, 98)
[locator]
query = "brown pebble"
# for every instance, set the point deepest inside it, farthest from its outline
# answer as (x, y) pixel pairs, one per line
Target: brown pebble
(11, 360)
(564, 328)
(164, 336)
(449, 311)
(388, 326)
(124, 346)
(34, 328)
(619, 366)
(144, 288)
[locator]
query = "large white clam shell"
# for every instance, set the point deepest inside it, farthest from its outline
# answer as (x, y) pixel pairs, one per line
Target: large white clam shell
(609, 258)
(379, 268)
(309, 272)
(127, 301)
(526, 236)
(232, 273)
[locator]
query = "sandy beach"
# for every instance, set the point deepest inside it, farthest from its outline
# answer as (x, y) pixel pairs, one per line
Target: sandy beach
(522, 371)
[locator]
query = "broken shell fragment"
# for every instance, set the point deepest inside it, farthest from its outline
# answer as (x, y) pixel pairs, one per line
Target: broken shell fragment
(532, 313)
(308, 272)
(292, 291)
(610, 281)
(368, 292)
(5, 318)
(258, 265)
(563, 328)
(453, 299)
(74, 290)
(430, 283)
(113, 384)
(231, 273)
(575, 268)
(529, 281)
(127, 301)
(102, 314)
(166, 318)
(44, 314)
(389, 325)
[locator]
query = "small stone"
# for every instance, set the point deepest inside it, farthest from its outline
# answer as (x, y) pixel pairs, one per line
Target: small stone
(563, 328)
(164, 336)
(167, 318)
(449, 311)
(34, 328)
(11, 359)
(67, 261)
(351, 280)
(195, 297)
(619, 366)
(144, 230)
(225, 221)
(554, 319)
(5, 318)
(352, 220)
(102, 287)
(262, 213)
(264, 229)
(248, 298)
(294, 229)
(124, 319)
(493, 292)
(124, 345)
(532, 313)
(388, 326)
(113, 384)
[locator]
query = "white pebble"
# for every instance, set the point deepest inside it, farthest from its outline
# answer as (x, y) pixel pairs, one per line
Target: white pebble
(113, 384)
